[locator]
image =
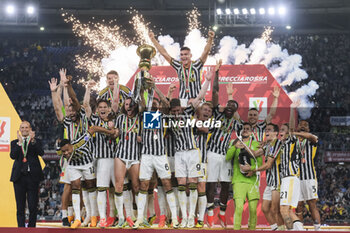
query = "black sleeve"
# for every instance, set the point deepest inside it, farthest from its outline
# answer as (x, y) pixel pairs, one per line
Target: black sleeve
(15, 150)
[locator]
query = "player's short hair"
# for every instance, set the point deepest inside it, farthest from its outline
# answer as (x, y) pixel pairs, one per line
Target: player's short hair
(185, 48)
(286, 124)
(209, 104)
(133, 103)
(175, 103)
(253, 109)
(247, 123)
(235, 102)
(275, 127)
(64, 142)
(113, 72)
(103, 101)
(305, 121)
(156, 99)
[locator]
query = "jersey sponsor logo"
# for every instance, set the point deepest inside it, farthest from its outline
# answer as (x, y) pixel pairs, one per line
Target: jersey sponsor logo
(152, 120)
(259, 103)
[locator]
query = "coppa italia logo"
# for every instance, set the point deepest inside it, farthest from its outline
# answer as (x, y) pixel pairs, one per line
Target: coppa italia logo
(259, 103)
(5, 123)
(2, 127)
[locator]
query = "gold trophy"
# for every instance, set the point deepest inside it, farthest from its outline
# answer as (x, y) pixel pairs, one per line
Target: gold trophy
(146, 53)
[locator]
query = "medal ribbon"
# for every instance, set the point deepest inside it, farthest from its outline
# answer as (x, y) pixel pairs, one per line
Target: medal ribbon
(110, 94)
(126, 125)
(25, 147)
(227, 128)
(256, 135)
(186, 78)
(74, 130)
(302, 147)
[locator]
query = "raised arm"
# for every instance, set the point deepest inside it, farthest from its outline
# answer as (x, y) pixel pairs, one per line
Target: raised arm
(72, 95)
(230, 90)
(160, 94)
(208, 46)
(308, 136)
(160, 48)
(208, 76)
(86, 101)
(56, 99)
(273, 109)
(293, 106)
(215, 92)
(116, 89)
(171, 90)
(93, 129)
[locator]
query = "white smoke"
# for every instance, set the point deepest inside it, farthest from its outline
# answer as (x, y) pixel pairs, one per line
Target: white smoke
(304, 93)
(284, 67)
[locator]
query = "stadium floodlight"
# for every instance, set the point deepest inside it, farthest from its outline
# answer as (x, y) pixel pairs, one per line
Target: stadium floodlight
(262, 11)
(218, 11)
(288, 27)
(215, 27)
(30, 10)
(271, 11)
(10, 9)
(252, 11)
(236, 11)
(228, 11)
(244, 11)
(282, 10)
(42, 29)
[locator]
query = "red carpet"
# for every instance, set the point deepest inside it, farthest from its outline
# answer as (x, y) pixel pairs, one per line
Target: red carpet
(67, 230)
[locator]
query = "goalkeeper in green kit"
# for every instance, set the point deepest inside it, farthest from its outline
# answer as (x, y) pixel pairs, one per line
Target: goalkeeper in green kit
(245, 184)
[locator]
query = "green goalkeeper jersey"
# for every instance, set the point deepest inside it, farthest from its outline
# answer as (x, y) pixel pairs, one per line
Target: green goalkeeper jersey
(233, 154)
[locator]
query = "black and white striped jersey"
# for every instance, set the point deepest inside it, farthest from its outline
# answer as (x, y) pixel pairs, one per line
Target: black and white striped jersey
(202, 141)
(258, 130)
(73, 130)
(307, 149)
(274, 149)
(107, 94)
(220, 138)
(290, 159)
(81, 152)
(170, 143)
(189, 78)
(128, 148)
(103, 145)
(153, 141)
(184, 136)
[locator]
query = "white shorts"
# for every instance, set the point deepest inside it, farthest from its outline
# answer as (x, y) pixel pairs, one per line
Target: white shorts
(105, 172)
(188, 163)
(129, 163)
(290, 191)
(308, 190)
(268, 193)
(149, 163)
(204, 176)
(219, 170)
(171, 161)
(64, 176)
(86, 172)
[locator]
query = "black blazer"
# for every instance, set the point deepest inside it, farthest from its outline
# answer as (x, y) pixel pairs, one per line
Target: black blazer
(34, 150)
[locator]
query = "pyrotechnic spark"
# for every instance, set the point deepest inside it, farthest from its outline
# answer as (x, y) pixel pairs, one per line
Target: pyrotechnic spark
(89, 63)
(102, 37)
(192, 18)
(266, 35)
(141, 28)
